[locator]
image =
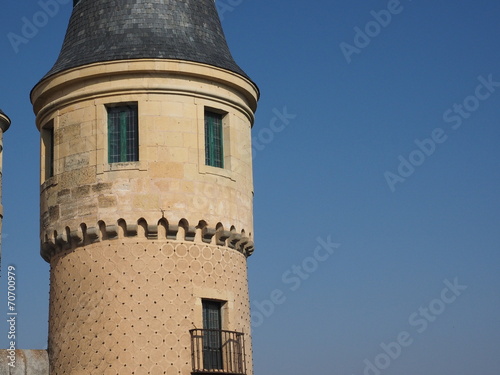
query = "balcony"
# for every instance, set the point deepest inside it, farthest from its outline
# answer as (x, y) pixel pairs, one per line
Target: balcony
(216, 351)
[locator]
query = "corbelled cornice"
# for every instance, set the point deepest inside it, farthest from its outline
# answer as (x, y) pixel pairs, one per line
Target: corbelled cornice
(72, 238)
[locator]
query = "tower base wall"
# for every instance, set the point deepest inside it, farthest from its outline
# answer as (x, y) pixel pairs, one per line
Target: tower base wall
(127, 306)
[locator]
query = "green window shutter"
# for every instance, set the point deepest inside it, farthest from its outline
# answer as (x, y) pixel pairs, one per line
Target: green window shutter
(123, 142)
(113, 137)
(214, 139)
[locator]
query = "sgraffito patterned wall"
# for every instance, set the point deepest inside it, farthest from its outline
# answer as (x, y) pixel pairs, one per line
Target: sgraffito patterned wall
(126, 306)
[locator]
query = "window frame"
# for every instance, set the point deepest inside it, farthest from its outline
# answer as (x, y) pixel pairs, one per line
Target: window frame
(48, 140)
(126, 145)
(214, 137)
(212, 337)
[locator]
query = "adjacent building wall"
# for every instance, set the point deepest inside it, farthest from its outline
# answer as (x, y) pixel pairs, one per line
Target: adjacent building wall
(27, 362)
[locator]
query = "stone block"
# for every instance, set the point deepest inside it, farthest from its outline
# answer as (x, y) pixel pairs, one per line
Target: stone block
(190, 140)
(76, 161)
(107, 201)
(166, 169)
(102, 187)
(64, 195)
(71, 132)
(173, 139)
(82, 176)
(86, 209)
(80, 192)
(54, 213)
(145, 202)
(172, 109)
(86, 129)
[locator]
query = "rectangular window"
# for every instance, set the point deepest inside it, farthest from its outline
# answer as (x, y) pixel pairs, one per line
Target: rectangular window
(214, 152)
(212, 336)
(48, 145)
(123, 140)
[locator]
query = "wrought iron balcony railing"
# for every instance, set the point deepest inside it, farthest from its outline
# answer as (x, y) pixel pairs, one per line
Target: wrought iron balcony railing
(216, 351)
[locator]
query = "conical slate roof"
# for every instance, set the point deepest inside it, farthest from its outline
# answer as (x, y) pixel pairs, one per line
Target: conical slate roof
(106, 30)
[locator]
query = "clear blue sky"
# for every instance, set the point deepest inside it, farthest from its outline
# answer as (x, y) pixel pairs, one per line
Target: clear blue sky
(421, 90)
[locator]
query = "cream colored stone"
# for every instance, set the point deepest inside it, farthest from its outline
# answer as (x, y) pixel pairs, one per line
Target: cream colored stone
(124, 287)
(145, 202)
(166, 170)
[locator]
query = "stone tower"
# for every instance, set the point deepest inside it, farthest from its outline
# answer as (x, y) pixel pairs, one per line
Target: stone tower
(146, 192)
(4, 125)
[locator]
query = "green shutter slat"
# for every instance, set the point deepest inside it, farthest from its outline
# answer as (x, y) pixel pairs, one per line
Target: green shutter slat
(110, 138)
(211, 140)
(123, 136)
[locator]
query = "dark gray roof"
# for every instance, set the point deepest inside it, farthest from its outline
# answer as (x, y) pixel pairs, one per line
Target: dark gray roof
(106, 30)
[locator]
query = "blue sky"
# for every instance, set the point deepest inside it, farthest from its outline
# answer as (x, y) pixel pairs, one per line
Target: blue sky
(388, 156)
